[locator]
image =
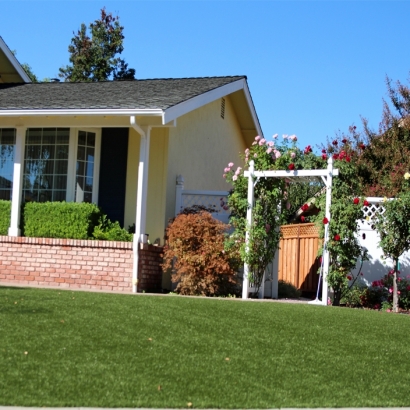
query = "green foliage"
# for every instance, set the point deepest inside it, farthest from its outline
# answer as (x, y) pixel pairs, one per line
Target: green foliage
(95, 58)
(69, 220)
(5, 213)
(275, 200)
(29, 71)
(107, 230)
(287, 290)
(194, 251)
(353, 296)
(393, 227)
(346, 209)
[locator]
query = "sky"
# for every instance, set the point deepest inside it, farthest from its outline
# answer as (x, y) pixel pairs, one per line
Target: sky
(313, 67)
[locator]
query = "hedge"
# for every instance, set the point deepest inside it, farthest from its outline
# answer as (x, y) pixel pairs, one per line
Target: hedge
(5, 213)
(71, 220)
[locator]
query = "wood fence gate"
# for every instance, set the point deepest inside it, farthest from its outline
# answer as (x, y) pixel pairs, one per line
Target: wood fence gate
(298, 261)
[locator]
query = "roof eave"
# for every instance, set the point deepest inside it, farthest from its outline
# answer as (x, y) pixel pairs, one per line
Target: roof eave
(79, 112)
(14, 62)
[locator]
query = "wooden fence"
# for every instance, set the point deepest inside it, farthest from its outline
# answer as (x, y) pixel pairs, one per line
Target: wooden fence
(298, 262)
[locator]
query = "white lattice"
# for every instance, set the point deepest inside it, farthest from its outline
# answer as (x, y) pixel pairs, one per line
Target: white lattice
(372, 211)
(216, 202)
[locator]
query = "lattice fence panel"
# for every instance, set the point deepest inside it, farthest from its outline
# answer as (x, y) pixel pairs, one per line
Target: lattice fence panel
(216, 202)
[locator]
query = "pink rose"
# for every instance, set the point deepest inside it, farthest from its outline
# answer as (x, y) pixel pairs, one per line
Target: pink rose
(292, 155)
(274, 136)
(230, 165)
(257, 138)
(235, 177)
(262, 141)
(269, 150)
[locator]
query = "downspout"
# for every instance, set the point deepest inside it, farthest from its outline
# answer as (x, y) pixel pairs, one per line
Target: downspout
(141, 197)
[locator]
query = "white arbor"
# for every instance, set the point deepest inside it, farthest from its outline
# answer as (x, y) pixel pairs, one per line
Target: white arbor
(326, 175)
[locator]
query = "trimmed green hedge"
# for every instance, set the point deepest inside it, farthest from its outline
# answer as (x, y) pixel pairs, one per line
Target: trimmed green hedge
(5, 213)
(71, 220)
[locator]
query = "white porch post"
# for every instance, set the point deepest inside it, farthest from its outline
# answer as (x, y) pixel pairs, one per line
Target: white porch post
(329, 181)
(17, 182)
(142, 189)
(245, 282)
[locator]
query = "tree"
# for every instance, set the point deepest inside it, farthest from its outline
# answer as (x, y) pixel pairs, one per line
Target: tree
(27, 68)
(394, 230)
(95, 57)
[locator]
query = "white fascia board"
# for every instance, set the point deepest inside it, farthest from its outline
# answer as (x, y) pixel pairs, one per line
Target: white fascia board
(290, 174)
(79, 112)
(185, 107)
(252, 109)
(14, 62)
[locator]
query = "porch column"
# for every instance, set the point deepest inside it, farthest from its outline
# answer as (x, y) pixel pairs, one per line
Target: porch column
(17, 182)
(141, 205)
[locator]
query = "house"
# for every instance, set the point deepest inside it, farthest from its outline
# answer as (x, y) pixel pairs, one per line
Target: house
(120, 144)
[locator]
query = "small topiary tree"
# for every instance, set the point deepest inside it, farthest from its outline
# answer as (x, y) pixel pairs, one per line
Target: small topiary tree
(393, 227)
(194, 251)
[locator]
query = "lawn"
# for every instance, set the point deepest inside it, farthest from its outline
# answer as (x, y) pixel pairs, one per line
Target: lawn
(64, 348)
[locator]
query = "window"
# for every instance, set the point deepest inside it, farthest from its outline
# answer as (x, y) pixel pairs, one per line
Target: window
(46, 164)
(7, 150)
(85, 166)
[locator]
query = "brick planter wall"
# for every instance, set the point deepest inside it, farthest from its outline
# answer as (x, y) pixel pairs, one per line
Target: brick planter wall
(149, 268)
(76, 264)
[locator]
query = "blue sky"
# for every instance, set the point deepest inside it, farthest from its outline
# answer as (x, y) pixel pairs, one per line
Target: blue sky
(313, 67)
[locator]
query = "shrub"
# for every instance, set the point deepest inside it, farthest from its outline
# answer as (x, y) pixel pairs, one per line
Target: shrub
(353, 297)
(195, 253)
(5, 212)
(70, 220)
(107, 230)
(287, 290)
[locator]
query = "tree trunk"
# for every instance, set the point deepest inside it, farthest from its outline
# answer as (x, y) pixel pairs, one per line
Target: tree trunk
(337, 295)
(395, 294)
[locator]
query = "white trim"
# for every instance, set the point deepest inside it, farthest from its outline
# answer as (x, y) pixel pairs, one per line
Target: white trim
(79, 112)
(18, 173)
(290, 174)
(71, 168)
(14, 62)
(198, 192)
(97, 158)
(252, 109)
(180, 109)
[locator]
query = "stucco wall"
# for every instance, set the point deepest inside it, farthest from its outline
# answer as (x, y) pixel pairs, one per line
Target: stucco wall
(200, 147)
(158, 160)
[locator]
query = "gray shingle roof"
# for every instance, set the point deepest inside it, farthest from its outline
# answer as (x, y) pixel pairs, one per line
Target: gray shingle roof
(138, 94)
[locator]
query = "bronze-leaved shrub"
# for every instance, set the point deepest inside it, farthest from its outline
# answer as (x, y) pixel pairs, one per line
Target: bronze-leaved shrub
(195, 253)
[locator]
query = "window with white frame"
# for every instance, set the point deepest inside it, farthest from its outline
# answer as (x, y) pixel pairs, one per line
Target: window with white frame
(7, 151)
(85, 166)
(46, 164)
(61, 164)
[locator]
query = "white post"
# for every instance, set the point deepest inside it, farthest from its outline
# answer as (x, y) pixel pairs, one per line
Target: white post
(17, 182)
(329, 180)
(178, 194)
(245, 282)
(141, 206)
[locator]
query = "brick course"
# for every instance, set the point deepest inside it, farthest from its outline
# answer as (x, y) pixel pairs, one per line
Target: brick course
(78, 264)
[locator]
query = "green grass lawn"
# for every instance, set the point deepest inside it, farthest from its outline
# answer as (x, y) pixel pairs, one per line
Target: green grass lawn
(64, 348)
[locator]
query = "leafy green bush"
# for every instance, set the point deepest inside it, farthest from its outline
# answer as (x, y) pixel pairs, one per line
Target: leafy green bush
(287, 290)
(5, 211)
(71, 220)
(107, 230)
(354, 296)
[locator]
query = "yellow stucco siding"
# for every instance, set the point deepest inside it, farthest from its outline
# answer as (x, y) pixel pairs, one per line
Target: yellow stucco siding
(156, 201)
(200, 147)
(156, 181)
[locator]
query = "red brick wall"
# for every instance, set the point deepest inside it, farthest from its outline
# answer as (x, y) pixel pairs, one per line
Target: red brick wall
(75, 264)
